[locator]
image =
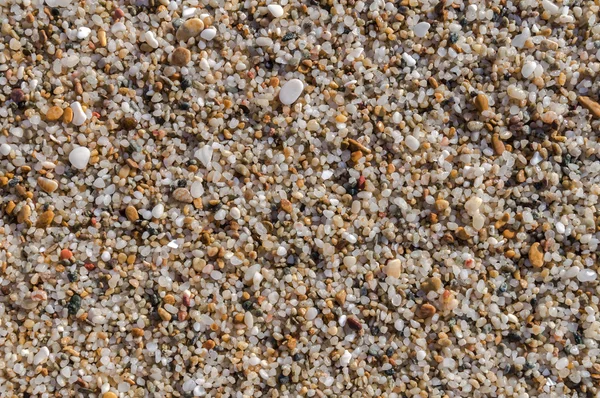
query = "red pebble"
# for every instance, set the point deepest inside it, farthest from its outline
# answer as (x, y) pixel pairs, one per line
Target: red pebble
(89, 266)
(66, 254)
(361, 183)
(118, 14)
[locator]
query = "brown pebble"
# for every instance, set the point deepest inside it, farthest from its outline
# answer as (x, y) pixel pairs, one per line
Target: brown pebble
(129, 123)
(590, 105)
(183, 195)
(190, 28)
(67, 115)
(497, 144)
(137, 332)
(425, 311)
(45, 219)
(17, 95)
(286, 206)
(118, 14)
(340, 297)
(432, 284)
(54, 113)
(10, 206)
(47, 185)
(131, 213)
(209, 344)
(181, 56)
(164, 314)
(536, 255)
(24, 214)
(354, 323)
(481, 102)
(169, 299)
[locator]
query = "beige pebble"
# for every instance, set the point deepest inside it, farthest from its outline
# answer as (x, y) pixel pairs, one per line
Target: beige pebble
(164, 314)
(393, 268)
(131, 213)
(497, 144)
(190, 28)
(441, 204)
(47, 185)
(181, 56)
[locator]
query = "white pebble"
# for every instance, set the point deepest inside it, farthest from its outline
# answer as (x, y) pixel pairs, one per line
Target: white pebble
(79, 157)
(528, 69)
(41, 356)
(421, 29)
(311, 314)
(197, 189)
(410, 61)
(158, 210)
(208, 34)
(345, 358)
(412, 143)
(550, 7)
(291, 91)
(393, 268)
(79, 116)
(276, 10)
(83, 32)
(151, 39)
(5, 149)
(562, 363)
(587, 275)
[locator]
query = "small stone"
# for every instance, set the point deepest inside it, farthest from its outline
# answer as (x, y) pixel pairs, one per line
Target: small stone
(131, 213)
(54, 113)
(412, 143)
(425, 311)
(209, 344)
(528, 69)
(291, 91)
(340, 297)
(42, 356)
(79, 157)
(68, 115)
(481, 102)
(587, 275)
(421, 29)
(441, 204)
(66, 254)
(109, 395)
(393, 268)
(102, 38)
(118, 14)
(83, 32)
(45, 219)
(497, 144)
(590, 105)
(158, 210)
(24, 214)
(129, 123)
(276, 10)
(209, 33)
(286, 206)
(409, 59)
(17, 95)
(536, 255)
(432, 284)
(79, 116)
(5, 149)
(164, 314)
(354, 323)
(47, 185)
(169, 299)
(181, 56)
(137, 332)
(190, 28)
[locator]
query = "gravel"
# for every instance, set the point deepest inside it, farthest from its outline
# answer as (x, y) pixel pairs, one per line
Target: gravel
(208, 198)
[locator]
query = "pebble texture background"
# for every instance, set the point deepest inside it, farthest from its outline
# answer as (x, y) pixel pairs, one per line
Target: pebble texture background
(309, 198)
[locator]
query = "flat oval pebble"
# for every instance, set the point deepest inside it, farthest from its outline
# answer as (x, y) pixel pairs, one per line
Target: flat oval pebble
(291, 91)
(209, 33)
(79, 116)
(79, 157)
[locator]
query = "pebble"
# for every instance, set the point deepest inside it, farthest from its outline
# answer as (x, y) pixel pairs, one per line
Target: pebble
(83, 32)
(109, 394)
(5, 149)
(164, 314)
(131, 213)
(41, 356)
(528, 69)
(433, 284)
(54, 113)
(158, 210)
(17, 95)
(190, 28)
(79, 116)
(587, 275)
(291, 91)
(412, 143)
(183, 195)
(410, 61)
(498, 145)
(47, 185)
(393, 268)
(441, 204)
(425, 311)
(79, 157)
(421, 29)
(481, 102)
(181, 56)
(536, 255)
(68, 115)
(209, 33)
(276, 10)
